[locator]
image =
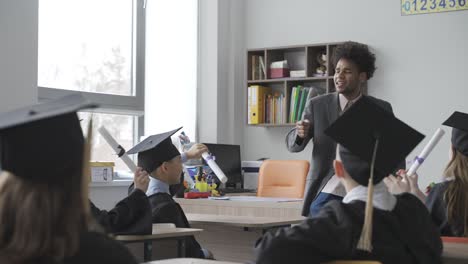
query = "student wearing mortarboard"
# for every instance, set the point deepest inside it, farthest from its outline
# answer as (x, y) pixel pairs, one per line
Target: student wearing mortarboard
(44, 207)
(447, 201)
(369, 223)
(163, 162)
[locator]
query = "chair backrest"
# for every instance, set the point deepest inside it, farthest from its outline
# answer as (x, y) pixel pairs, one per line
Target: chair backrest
(282, 178)
(462, 240)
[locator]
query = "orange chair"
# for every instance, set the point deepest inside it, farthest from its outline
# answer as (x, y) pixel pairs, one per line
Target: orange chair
(282, 178)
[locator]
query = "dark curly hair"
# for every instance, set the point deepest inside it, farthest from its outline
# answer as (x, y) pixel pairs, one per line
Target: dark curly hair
(357, 53)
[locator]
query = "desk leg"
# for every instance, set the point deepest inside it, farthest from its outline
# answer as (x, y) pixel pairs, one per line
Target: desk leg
(147, 250)
(181, 248)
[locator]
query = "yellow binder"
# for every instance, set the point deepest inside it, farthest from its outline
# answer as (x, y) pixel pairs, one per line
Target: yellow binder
(257, 103)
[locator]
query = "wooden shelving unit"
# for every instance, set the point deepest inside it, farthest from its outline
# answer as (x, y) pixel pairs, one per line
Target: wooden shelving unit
(300, 57)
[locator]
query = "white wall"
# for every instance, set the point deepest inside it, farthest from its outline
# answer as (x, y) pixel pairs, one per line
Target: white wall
(18, 74)
(422, 62)
(18, 53)
(221, 37)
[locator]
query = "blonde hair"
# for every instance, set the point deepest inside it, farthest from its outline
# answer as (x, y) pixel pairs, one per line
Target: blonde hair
(456, 195)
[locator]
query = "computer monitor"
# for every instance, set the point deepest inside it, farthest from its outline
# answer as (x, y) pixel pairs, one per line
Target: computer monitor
(228, 159)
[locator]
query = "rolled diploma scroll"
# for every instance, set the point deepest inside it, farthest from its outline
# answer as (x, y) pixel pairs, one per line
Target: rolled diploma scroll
(119, 150)
(426, 151)
(219, 173)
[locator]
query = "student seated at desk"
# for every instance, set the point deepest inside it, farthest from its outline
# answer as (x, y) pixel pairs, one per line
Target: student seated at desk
(161, 159)
(447, 201)
(44, 213)
(389, 229)
(132, 215)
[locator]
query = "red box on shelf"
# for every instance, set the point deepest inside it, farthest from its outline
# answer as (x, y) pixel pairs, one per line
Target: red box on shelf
(278, 73)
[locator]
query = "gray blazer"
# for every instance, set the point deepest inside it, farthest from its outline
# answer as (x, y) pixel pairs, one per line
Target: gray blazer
(321, 111)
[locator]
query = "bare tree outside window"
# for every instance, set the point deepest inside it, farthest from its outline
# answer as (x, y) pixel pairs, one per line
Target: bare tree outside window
(86, 45)
(119, 126)
(89, 46)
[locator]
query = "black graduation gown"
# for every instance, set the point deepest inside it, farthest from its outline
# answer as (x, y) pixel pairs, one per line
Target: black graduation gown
(166, 210)
(100, 249)
(132, 215)
(438, 209)
(404, 235)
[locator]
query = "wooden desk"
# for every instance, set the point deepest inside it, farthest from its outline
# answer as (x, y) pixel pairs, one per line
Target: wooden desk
(179, 234)
(455, 253)
(231, 227)
(232, 238)
(189, 261)
(243, 221)
(241, 208)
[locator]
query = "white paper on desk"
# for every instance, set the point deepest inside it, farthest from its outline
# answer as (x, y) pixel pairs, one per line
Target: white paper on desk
(262, 199)
(218, 198)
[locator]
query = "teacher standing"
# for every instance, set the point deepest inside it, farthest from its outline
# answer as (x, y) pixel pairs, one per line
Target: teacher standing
(354, 65)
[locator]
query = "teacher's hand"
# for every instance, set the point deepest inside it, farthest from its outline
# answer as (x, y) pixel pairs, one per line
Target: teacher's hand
(302, 128)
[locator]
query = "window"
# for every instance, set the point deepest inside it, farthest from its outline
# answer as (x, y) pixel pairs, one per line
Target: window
(96, 47)
(100, 48)
(171, 66)
(86, 45)
(121, 127)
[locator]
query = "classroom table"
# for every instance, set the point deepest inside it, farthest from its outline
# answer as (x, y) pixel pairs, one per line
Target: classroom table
(243, 206)
(455, 253)
(178, 234)
(246, 222)
(232, 238)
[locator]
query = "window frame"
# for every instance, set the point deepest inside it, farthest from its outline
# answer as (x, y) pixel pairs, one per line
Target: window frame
(119, 104)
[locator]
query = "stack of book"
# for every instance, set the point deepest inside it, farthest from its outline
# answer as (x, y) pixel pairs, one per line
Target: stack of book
(265, 107)
(258, 67)
(275, 109)
(299, 97)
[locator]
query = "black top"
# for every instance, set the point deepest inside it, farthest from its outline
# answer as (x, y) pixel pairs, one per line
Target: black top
(404, 235)
(438, 209)
(132, 215)
(166, 210)
(100, 249)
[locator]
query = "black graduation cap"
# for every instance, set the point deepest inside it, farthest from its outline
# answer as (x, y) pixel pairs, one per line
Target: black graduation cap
(155, 150)
(459, 122)
(43, 142)
(357, 129)
(372, 143)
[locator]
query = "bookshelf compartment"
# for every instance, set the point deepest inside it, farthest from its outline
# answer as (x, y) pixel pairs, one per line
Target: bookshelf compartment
(254, 65)
(317, 59)
(299, 58)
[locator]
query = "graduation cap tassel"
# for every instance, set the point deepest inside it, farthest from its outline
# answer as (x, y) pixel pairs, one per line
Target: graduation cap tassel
(365, 241)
